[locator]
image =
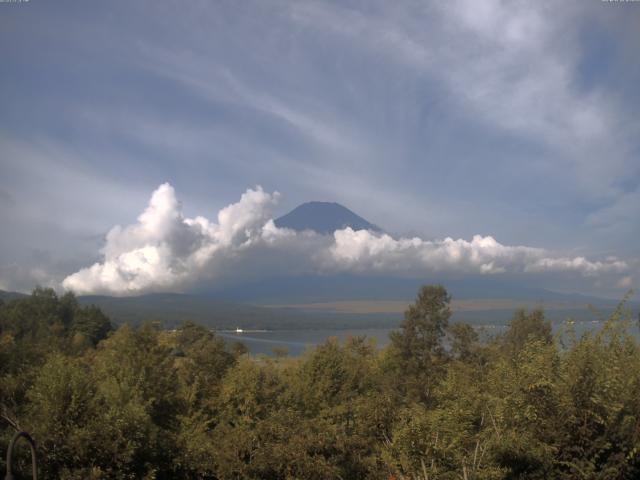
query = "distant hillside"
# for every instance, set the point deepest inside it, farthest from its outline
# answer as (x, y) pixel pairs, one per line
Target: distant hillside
(7, 296)
(329, 288)
(172, 309)
(307, 311)
(324, 218)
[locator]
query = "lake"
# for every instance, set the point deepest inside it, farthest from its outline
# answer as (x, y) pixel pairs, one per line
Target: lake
(297, 341)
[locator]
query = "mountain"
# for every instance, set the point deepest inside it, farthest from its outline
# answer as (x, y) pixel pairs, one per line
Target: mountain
(324, 218)
(8, 296)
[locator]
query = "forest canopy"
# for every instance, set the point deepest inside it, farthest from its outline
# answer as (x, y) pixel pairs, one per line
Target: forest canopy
(143, 402)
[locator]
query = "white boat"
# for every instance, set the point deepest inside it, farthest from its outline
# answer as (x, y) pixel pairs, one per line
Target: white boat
(239, 330)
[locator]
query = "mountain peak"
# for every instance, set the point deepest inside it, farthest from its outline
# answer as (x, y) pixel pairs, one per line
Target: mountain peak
(324, 218)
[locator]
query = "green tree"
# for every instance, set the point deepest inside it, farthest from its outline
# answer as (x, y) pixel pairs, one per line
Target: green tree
(526, 326)
(91, 323)
(61, 415)
(417, 352)
(599, 433)
(463, 340)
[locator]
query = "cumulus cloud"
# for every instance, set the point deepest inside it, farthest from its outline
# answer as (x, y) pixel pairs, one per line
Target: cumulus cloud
(578, 264)
(166, 251)
(366, 251)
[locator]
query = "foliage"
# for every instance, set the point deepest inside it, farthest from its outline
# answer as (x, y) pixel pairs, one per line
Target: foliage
(436, 403)
(417, 353)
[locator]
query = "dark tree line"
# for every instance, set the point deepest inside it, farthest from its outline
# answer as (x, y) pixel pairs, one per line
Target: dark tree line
(435, 404)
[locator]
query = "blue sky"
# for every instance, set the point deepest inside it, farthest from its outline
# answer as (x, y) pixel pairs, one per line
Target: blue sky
(515, 120)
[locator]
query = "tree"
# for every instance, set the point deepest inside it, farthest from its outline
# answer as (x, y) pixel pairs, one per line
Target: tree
(62, 414)
(91, 323)
(526, 327)
(417, 351)
(464, 341)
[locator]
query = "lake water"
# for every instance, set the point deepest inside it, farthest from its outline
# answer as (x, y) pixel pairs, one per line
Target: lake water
(297, 341)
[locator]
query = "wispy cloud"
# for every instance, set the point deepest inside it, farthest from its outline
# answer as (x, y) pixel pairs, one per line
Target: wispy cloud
(512, 65)
(218, 84)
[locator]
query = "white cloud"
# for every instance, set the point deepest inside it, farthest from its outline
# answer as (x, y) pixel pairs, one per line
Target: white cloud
(578, 264)
(626, 282)
(365, 250)
(165, 251)
(511, 65)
